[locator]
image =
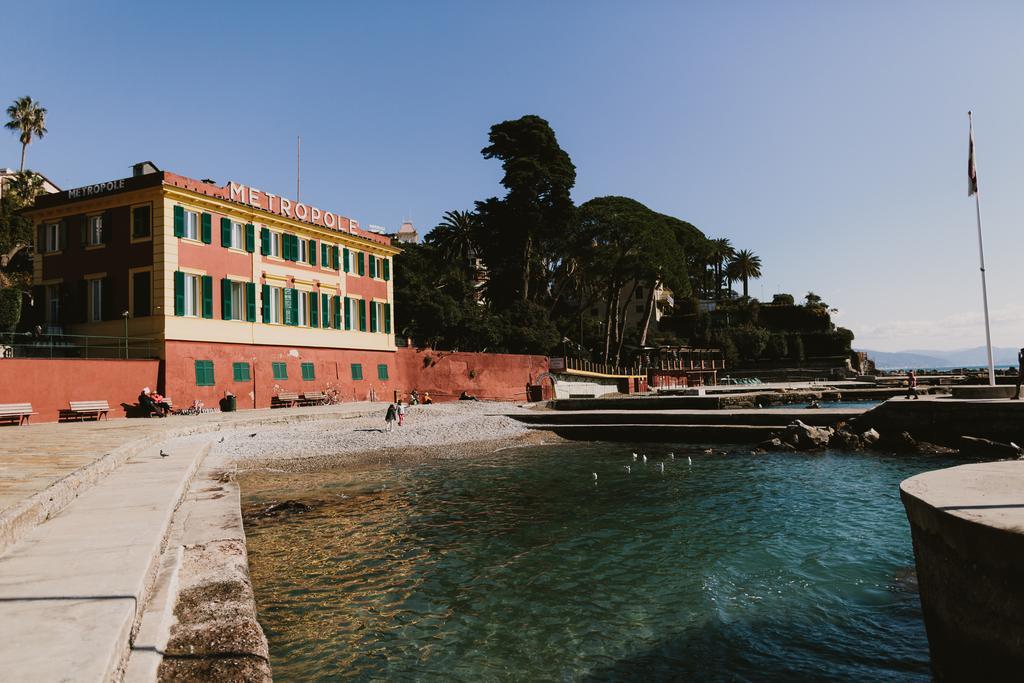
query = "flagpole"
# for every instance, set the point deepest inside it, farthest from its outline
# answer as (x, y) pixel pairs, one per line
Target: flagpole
(981, 258)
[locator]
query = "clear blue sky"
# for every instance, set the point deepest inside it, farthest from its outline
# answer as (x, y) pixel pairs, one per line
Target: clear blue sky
(830, 139)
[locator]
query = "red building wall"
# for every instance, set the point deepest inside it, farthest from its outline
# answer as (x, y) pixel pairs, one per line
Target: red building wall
(49, 384)
(488, 376)
(332, 369)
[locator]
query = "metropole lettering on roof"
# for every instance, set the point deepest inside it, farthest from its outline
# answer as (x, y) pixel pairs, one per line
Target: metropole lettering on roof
(288, 208)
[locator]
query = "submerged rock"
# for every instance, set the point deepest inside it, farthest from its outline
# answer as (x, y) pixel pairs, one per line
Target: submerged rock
(799, 437)
(284, 507)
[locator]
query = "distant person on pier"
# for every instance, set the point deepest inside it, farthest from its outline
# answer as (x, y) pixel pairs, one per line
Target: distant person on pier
(911, 385)
(1020, 374)
(391, 416)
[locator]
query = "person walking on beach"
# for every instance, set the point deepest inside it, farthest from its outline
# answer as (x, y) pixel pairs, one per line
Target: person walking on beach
(911, 385)
(401, 413)
(1020, 373)
(391, 416)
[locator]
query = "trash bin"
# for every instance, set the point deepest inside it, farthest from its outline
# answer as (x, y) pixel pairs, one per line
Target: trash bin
(230, 404)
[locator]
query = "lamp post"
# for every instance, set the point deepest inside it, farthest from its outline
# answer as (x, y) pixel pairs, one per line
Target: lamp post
(125, 316)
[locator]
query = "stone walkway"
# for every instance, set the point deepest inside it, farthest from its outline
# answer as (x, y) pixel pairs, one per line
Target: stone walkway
(82, 544)
(35, 457)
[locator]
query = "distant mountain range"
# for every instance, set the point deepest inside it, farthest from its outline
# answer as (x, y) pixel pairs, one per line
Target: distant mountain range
(926, 358)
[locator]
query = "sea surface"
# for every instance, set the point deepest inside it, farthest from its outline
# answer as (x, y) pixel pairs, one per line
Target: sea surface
(866, 405)
(519, 566)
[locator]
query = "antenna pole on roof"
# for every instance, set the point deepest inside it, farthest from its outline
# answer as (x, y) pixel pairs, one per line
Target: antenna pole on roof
(298, 165)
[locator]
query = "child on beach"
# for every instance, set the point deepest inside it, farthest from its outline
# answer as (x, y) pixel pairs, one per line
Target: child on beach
(391, 416)
(401, 413)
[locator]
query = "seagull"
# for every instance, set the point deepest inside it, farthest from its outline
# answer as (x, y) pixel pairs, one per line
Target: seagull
(645, 458)
(252, 435)
(634, 457)
(672, 456)
(707, 450)
(162, 454)
(689, 461)
(661, 467)
(627, 469)
(595, 475)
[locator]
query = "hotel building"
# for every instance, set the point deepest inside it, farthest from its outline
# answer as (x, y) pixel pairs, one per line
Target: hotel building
(240, 290)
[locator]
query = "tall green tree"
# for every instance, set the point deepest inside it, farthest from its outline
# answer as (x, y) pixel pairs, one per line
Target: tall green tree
(520, 232)
(721, 252)
(745, 265)
(455, 235)
(28, 119)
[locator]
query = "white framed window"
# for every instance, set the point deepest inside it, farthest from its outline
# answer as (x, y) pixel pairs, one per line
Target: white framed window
(95, 230)
(303, 254)
(303, 307)
(95, 300)
(53, 303)
(275, 244)
(237, 235)
(191, 225)
(193, 294)
(276, 304)
(53, 237)
(237, 300)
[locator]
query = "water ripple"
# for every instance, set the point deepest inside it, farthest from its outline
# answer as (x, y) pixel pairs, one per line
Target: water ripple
(519, 567)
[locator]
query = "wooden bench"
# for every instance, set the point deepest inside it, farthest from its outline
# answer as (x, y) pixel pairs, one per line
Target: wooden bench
(19, 411)
(286, 399)
(83, 409)
(314, 398)
(152, 411)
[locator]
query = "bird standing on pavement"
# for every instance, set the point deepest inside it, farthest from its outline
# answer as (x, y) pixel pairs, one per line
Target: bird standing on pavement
(162, 454)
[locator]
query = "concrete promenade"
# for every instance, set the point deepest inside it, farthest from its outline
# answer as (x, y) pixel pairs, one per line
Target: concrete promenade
(967, 524)
(77, 572)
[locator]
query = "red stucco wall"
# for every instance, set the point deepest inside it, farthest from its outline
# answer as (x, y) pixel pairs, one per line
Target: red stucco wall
(332, 369)
(49, 384)
(488, 376)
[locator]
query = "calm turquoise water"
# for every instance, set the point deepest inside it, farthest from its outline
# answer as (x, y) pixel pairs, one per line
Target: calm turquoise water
(519, 567)
(867, 405)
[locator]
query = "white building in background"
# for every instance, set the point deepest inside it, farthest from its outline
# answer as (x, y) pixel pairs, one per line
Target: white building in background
(49, 187)
(407, 234)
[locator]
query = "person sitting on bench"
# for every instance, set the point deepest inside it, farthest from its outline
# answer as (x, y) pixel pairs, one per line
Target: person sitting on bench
(149, 405)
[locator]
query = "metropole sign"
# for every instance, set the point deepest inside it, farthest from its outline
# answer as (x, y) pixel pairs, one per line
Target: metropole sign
(288, 208)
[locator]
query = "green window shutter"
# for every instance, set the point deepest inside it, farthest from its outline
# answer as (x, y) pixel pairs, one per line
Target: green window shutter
(204, 373)
(357, 371)
(225, 299)
(308, 372)
(296, 293)
(314, 310)
(361, 263)
(336, 305)
(264, 241)
(373, 265)
(325, 310)
(286, 247)
(347, 258)
(387, 317)
(250, 301)
(250, 237)
(207, 296)
(240, 372)
(382, 371)
(373, 315)
(280, 370)
(334, 257)
(386, 263)
(348, 313)
(207, 230)
(287, 298)
(293, 248)
(265, 292)
(362, 315)
(179, 293)
(312, 252)
(179, 221)
(225, 231)
(323, 255)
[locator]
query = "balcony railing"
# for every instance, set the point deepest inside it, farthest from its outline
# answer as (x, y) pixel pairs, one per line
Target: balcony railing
(32, 345)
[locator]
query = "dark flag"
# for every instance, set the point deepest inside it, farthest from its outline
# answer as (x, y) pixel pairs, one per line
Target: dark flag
(972, 171)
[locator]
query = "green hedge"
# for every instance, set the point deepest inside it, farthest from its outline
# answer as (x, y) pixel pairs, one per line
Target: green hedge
(10, 309)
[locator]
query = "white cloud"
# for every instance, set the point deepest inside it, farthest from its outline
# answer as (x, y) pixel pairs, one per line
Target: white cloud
(950, 332)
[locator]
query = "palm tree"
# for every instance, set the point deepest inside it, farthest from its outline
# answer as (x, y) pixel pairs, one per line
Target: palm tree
(455, 236)
(745, 265)
(29, 119)
(721, 252)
